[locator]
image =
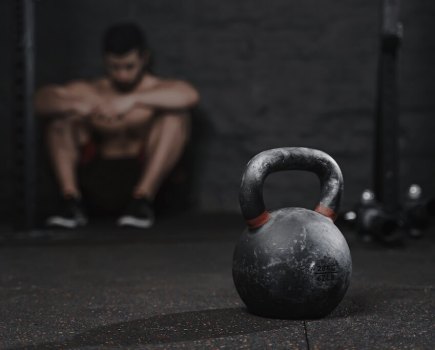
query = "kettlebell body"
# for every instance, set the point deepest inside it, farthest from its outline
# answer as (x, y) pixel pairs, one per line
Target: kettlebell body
(290, 263)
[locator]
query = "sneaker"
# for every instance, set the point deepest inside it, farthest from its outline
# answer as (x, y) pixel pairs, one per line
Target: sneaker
(139, 214)
(71, 215)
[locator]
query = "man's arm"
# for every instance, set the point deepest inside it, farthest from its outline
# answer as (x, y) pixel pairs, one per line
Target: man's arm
(168, 94)
(74, 99)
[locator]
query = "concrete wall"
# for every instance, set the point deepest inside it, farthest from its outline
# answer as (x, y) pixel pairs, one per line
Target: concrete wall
(270, 73)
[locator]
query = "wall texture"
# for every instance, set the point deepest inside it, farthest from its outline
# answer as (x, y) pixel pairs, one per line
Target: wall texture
(271, 74)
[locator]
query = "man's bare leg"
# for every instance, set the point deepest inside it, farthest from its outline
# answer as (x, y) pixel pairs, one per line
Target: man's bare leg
(164, 148)
(62, 142)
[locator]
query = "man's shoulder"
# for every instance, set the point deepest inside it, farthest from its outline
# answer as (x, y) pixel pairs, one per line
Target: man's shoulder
(152, 81)
(80, 85)
(149, 81)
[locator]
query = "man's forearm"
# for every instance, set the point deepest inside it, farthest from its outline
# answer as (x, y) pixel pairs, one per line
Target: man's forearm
(52, 100)
(173, 95)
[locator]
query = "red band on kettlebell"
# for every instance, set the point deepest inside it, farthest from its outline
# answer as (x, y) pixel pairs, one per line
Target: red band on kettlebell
(325, 211)
(260, 220)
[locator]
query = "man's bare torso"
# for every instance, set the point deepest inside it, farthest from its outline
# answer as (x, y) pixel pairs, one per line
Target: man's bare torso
(116, 120)
(118, 135)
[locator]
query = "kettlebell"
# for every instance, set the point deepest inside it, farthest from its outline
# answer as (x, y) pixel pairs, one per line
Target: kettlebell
(292, 263)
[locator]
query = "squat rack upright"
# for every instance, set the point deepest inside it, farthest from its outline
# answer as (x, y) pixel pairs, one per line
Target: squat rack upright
(25, 167)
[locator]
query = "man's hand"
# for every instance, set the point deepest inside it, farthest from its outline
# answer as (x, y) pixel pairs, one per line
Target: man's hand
(112, 108)
(80, 109)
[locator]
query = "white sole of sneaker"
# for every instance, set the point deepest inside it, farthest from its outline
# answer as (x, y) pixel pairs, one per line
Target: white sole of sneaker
(58, 221)
(135, 222)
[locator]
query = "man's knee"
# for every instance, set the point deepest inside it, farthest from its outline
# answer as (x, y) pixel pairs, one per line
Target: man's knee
(176, 121)
(64, 127)
(58, 126)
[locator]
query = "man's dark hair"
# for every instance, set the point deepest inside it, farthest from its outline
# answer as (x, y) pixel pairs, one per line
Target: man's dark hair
(122, 38)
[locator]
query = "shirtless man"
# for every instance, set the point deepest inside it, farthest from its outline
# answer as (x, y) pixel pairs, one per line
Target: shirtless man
(128, 113)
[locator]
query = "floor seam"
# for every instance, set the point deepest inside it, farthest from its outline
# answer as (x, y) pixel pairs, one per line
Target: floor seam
(306, 335)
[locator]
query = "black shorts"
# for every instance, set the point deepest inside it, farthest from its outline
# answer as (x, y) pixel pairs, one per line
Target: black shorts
(107, 184)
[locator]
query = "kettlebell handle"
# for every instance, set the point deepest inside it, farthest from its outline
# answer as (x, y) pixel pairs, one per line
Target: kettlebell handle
(289, 158)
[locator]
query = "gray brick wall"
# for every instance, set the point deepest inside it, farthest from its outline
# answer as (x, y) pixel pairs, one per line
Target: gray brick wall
(270, 73)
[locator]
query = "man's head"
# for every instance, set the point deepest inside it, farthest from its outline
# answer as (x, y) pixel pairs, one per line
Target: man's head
(126, 55)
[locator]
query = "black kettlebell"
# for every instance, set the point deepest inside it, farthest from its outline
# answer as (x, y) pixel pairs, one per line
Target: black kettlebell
(293, 262)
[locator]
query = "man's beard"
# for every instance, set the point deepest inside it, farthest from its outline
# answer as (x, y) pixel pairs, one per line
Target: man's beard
(126, 87)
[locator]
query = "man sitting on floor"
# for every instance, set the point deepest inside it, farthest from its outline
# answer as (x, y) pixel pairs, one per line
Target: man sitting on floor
(130, 114)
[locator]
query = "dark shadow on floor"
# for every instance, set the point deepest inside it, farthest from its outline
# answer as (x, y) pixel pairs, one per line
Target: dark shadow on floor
(179, 327)
(187, 227)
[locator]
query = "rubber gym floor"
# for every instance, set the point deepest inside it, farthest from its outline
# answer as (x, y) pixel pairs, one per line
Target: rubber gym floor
(170, 287)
